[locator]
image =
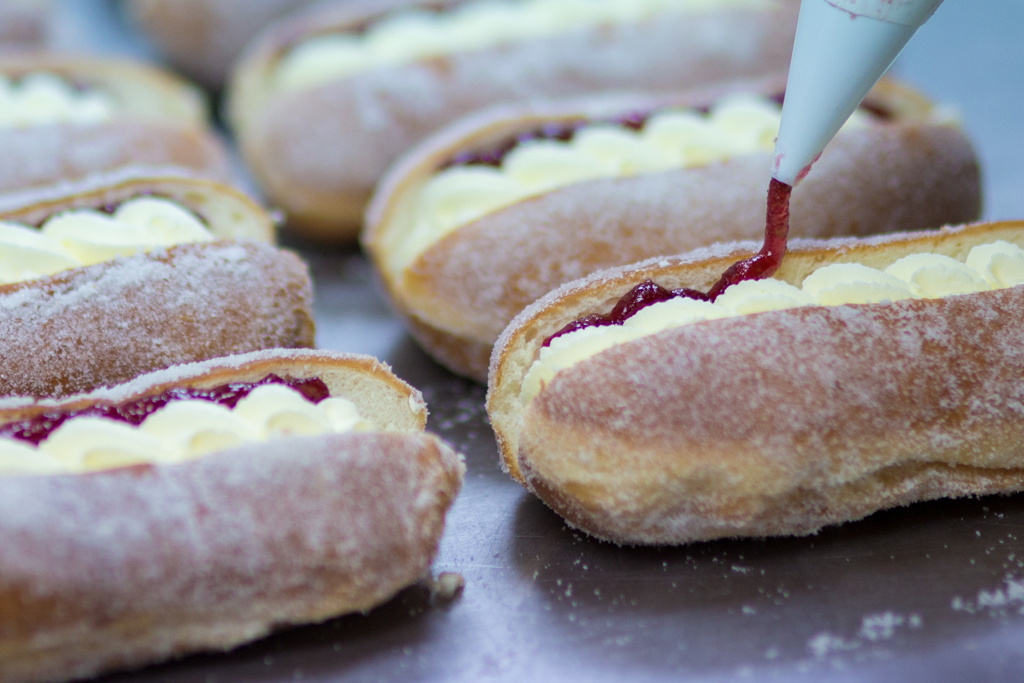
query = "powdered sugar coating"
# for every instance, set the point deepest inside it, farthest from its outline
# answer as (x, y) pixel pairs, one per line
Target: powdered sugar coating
(519, 344)
(113, 321)
(121, 568)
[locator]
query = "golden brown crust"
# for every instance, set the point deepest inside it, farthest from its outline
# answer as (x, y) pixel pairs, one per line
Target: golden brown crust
(318, 152)
(520, 343)
(911, 173)
(126, 567)
(775, 423)
(215, 553)
(102, 324)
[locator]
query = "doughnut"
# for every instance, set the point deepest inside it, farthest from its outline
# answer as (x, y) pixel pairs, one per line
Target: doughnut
(203, 506)
(107, 278)
(865, 374)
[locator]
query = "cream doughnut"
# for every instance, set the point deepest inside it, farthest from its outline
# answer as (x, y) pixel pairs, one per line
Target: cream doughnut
(867, 374)
(127, 273)
(192, 525)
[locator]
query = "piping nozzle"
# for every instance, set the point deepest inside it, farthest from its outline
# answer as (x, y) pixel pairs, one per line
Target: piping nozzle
(842, 48)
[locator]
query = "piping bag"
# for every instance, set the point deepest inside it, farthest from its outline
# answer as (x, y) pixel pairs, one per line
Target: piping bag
(841, 50)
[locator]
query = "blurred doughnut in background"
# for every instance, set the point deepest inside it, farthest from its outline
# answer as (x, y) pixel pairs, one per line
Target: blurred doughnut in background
(66, 117)
(201, 37)
(24, 24)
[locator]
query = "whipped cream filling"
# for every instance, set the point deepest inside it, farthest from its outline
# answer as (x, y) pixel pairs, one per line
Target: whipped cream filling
(180, 431)
(82, 237)
(411, 35)
(736, 125)
(42, 98)
(919, 276)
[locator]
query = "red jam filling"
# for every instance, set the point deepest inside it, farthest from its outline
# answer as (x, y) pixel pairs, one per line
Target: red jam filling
(761, 265)
(766, 261)
(640, 297)
(36, 429)
(496, 155)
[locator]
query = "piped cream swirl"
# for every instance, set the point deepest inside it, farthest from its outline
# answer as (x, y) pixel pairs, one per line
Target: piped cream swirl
(42, 98)
(82, 237)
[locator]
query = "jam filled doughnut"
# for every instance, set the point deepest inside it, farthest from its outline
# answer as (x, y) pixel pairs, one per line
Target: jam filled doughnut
(105, 279)
(64, 118)
(201, 507)
(866, 374)
(488, 215)
(324, 102)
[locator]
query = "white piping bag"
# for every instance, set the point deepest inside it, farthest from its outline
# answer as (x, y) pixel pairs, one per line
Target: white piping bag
(842, 48)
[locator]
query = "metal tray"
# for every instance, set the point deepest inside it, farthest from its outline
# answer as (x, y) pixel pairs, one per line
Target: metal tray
(931, 592)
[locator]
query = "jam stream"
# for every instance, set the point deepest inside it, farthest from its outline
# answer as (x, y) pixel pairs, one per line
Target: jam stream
(36, 429)
(761, 265)
(776, 231)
